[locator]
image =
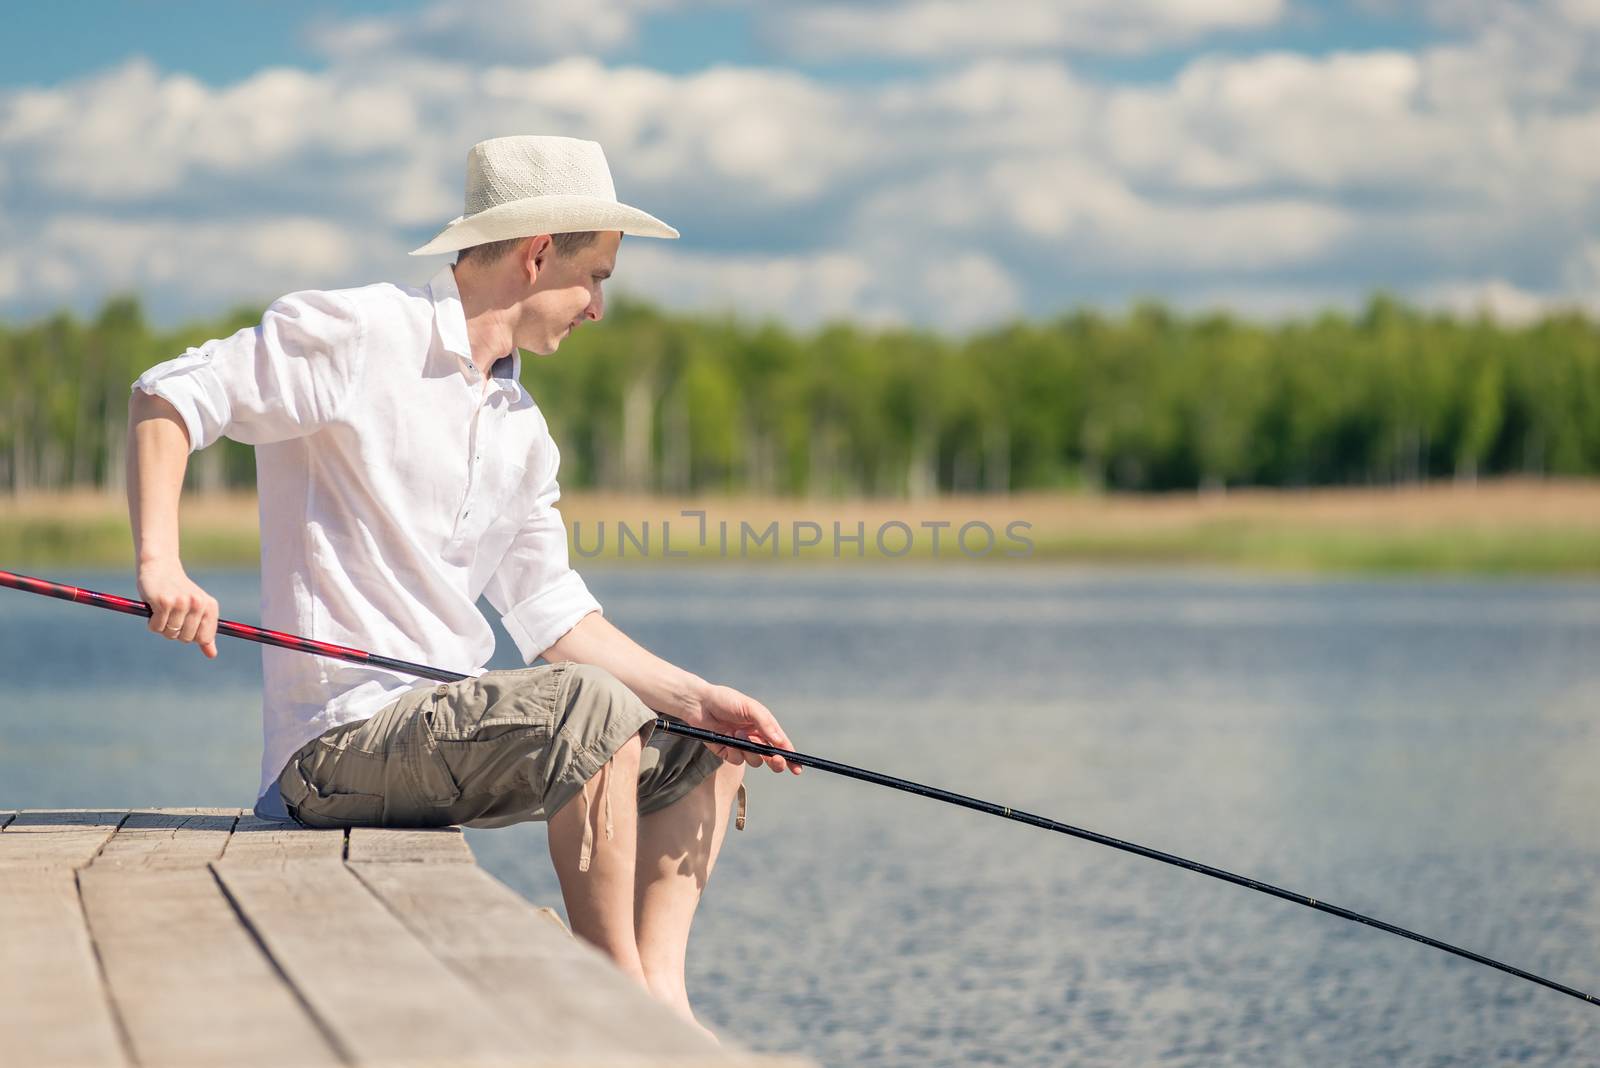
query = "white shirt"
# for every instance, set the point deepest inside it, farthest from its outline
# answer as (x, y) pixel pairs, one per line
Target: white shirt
(396, 486)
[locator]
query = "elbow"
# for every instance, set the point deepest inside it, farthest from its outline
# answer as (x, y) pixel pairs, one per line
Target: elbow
(559, 650)
(570, 645)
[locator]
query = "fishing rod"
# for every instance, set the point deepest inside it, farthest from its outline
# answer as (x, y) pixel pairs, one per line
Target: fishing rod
(357, 656)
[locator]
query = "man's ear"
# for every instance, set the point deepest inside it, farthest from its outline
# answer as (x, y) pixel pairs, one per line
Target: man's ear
(537, 254)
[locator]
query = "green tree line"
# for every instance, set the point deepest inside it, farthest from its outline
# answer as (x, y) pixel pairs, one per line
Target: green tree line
(1145, 400)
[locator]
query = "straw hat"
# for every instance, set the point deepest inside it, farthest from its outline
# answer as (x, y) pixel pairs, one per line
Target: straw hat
(519, 186)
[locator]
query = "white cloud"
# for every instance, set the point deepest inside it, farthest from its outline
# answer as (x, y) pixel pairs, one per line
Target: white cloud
(133, 132)
(966, 290)
(805, 288)
(885, 283)
(1580, 12)
(484, 31)
(1271, 300)
(951, 197)
(212, 263)
(396, 145)
(1581, 274)
(1090, 215)
(766, 135)
(1496, 298)
(524, 31)
(1341, 122)
(938, 28)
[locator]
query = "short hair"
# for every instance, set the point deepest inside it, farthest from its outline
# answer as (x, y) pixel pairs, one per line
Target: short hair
(495, 251)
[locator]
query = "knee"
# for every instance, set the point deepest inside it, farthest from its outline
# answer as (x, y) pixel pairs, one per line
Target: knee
(591, 677)
(595, 687)
(599, 698)
(628, 756)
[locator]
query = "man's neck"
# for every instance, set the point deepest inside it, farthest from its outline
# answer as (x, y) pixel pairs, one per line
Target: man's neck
(488, 323)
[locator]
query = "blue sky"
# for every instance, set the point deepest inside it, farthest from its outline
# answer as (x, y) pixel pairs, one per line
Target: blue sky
(937, 162)
(183, 35)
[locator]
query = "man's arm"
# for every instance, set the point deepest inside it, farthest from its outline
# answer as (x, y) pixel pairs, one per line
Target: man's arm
(158, 454)
(672, 691)
(283, 379)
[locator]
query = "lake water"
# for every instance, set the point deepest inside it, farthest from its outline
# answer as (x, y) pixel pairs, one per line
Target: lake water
(1423, 751)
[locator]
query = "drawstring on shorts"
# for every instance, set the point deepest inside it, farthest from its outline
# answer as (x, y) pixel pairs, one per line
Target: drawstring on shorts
(586, 850)
(738, 821)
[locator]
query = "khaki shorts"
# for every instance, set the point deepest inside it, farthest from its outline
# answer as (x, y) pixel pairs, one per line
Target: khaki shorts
(502, 748)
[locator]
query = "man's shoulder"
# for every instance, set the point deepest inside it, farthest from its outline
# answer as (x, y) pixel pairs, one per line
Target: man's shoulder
(363, 309)
(386, 295)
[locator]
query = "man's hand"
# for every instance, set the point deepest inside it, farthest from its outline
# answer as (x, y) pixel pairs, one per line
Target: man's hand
(180, 610)
(727, 711)
(675, 692)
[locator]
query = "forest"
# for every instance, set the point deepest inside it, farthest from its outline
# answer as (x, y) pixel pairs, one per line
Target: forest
(1148, 399)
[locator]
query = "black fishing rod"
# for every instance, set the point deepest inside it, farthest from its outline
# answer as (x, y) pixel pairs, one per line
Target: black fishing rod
(291, 641)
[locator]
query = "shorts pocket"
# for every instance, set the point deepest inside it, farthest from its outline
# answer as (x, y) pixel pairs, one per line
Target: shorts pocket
(481, 737)
(341, 810)
(333, 804)
(430, 772)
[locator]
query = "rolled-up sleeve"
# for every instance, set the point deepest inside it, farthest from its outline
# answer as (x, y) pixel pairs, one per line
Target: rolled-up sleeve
(538, 595)
(285, 378)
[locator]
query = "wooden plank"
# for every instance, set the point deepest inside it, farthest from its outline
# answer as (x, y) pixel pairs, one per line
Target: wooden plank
(48, 819)
(281, 951)
(50, 838)
(259, 841)
(167, 839)
(563, 994)
(189, 982)
(376, 989)
(433, 845)
(53, 1009)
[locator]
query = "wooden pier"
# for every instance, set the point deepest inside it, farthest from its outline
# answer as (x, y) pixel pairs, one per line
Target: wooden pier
(163, 937)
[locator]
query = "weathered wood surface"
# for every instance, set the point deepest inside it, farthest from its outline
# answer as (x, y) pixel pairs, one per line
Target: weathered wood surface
(164, 937)
(187, 979)
(432, 846)
(380, 992)
(267, 844)
(170, 838)
(53, 1009)
(64, 838)
(507, 952)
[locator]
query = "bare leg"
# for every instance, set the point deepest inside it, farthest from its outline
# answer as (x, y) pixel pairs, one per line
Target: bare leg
(600, 901)
(678, 847)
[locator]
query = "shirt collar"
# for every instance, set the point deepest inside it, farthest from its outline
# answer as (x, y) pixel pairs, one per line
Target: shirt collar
(450, 319)
(507, 370)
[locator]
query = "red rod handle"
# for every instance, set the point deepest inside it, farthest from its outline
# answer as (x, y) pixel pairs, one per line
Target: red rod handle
(131, 607)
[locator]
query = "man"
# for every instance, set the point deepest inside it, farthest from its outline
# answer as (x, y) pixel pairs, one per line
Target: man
(402, 472)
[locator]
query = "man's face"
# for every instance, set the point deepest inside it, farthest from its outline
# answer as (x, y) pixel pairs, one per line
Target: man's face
(566, 293)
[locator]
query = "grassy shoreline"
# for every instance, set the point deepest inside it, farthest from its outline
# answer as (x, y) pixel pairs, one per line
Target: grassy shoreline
(1504, 527)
